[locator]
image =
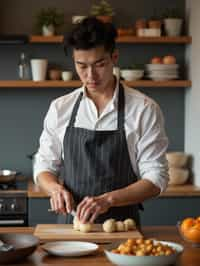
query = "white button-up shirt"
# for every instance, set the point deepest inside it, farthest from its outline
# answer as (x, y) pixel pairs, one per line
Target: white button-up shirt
(144, 127)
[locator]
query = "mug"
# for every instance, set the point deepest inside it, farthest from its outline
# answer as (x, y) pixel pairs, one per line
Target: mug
(66, 75)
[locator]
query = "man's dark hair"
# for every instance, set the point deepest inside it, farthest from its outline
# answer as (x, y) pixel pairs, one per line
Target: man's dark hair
(91, 33)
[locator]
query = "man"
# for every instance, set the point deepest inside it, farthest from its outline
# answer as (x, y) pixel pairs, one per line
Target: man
(110, 138)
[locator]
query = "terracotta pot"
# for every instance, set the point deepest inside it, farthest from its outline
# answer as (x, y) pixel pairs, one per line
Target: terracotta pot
(105, 19)
(140, 24)
(54, 74)
(125, 31)
(154, 24)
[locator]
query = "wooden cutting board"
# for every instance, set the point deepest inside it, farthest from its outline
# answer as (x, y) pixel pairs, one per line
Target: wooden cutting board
(54, 232)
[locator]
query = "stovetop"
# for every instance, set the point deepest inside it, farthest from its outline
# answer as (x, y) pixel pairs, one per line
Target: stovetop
(16, 186)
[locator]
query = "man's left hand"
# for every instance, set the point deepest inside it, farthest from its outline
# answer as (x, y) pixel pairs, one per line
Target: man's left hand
(91, 207)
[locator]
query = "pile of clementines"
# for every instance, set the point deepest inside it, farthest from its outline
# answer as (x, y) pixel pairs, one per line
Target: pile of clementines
(190, 229)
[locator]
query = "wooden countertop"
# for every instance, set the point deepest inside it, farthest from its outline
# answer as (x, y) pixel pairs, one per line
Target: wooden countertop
(190, 256)
(172, 191)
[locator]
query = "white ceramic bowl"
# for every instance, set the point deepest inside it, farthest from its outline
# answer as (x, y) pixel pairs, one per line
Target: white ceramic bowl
(131, 74)
(178, 176)
(162, 77)
(177, 159)
(67, 75)
(128, 260)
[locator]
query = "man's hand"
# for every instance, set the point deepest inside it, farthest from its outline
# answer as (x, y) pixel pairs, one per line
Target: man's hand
(61, 200)
(91, 207)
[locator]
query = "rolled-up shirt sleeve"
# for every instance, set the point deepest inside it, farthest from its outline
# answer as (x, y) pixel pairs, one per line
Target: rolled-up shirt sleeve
(48, 157)
(152, 146)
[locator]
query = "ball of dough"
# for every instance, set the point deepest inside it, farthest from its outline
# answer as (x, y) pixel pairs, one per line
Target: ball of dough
(120, 226)
(109, 226)
(76, 224)
(85, 228)
(129, 224)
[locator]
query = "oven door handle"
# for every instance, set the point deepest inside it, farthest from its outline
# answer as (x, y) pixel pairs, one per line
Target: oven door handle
(11, 222)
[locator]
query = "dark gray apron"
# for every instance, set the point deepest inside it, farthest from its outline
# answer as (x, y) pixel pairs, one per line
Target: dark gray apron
(96, 162)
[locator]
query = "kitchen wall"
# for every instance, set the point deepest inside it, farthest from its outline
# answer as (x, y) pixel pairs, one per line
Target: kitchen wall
(22, 110)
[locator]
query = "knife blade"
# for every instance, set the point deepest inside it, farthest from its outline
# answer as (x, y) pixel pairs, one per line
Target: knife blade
(73, 212)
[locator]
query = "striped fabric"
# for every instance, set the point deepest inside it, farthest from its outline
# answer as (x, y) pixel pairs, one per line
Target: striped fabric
(97, 162)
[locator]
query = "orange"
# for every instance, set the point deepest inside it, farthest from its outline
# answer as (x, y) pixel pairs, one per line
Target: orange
(197, 226)
(192, 234)
(187, 223)
(198, 219)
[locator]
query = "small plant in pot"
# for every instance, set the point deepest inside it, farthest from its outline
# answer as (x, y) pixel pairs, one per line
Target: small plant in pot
(154, 21)
(48, 20)
(172, 22)
(103, 11)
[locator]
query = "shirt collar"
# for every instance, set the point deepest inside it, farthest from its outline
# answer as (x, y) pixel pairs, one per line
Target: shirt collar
(114, 100)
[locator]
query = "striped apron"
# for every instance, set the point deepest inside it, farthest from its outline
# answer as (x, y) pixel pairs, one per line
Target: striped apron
(96, 162)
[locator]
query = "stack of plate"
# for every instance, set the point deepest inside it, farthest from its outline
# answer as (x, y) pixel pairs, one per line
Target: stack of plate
(162, 71)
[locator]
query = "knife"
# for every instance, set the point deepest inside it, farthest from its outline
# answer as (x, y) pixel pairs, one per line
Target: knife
(73, 212)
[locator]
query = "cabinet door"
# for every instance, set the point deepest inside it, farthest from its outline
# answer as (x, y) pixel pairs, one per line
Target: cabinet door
(168, 211)
(38, 212)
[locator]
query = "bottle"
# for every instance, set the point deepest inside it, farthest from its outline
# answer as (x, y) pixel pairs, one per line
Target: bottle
(24, 67)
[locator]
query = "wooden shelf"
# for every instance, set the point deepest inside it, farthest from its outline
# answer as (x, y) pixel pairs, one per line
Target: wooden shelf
(46, 39)
(39, 84)
(162, 39)
(77, 83)
(121, 39)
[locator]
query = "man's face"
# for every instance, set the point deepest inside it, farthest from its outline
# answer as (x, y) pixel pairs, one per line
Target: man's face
(94, 67)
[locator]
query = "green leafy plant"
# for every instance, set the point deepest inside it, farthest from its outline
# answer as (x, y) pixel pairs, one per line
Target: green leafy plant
(102, 9)
(155, 15)
(172, 13)
(50, 16)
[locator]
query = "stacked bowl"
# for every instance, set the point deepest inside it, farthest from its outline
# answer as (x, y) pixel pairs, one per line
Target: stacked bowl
(178, 167)
(162, 71)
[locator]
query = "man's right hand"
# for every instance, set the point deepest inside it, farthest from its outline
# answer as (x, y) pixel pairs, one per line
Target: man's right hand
(61, 200)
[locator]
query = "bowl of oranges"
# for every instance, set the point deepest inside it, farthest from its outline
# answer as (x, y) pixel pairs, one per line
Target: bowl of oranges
(189, 229)
(143, 252)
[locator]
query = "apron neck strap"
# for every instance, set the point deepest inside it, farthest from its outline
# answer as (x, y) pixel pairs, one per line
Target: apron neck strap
(121, 104)
(75, 110)
(121, 107)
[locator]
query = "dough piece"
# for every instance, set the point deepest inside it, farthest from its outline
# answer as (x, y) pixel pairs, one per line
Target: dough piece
(109, 226)
(85, 228)
(129, 224)
(76, 224)
(120, 226)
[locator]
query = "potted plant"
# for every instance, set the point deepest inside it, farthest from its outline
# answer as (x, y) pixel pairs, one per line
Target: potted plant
(103, 11)
(154, 22)
(172, 22)
(48, 20)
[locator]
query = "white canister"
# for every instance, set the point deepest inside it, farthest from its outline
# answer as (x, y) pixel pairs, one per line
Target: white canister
(39, 69)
